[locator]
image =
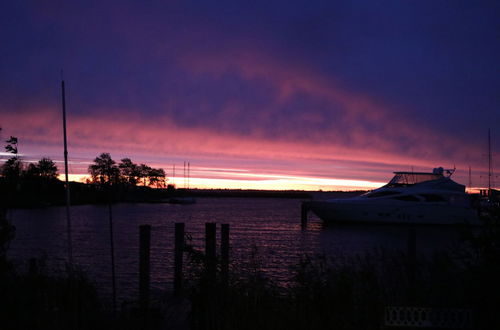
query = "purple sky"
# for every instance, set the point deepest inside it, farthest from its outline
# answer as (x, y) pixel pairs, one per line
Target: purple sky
(263, 94)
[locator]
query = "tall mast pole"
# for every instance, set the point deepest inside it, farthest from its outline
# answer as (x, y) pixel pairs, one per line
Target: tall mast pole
(470, 179)
(173, 177)
(489, 163)
(68, 216)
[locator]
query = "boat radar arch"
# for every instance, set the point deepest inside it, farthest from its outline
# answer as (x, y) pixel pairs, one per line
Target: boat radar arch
(441, 171)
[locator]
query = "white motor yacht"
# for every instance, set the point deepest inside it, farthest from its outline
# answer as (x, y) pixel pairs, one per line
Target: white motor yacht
(409, 198)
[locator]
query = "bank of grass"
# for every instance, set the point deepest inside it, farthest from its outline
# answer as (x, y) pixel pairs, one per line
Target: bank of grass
(37, 299)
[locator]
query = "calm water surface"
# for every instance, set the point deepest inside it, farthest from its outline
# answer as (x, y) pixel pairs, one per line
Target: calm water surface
(269, 226)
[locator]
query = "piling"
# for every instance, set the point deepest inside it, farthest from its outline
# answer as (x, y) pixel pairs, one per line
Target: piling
(178, 254)
(224, 253)
(210, 256)
(144, 267)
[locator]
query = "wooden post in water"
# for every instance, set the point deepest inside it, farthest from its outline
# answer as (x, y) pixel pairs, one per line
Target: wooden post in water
(178, 252)
(224, 252)
(144, 254)
(210, 256)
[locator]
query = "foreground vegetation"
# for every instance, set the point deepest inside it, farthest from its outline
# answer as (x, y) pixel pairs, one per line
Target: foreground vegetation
(352, 293)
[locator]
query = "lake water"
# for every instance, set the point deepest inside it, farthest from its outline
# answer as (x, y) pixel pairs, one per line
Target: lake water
(269, 226)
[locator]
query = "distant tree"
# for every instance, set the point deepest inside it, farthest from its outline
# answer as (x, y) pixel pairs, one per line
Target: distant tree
(104, 170)
(12, 168)
(144, 171)
(11, 147)
(31, 171)
(47, 168)
(129, 171)
(157, 177)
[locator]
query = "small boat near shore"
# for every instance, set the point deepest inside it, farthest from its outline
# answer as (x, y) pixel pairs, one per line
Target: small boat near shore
(409, 198)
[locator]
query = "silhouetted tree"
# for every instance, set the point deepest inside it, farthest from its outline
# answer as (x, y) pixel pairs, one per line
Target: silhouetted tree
(31, 171)
(144, 171)
(157, 177)
(11, 147)
(104, 169)
(12, 168)
(47, 168)
(129, 171)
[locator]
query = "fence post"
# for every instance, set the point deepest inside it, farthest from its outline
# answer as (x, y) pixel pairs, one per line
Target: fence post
(210, 262)
(144, 267)
(224, 253)
(178, 251)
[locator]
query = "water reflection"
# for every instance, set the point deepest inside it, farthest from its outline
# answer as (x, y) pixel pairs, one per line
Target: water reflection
(269, 226)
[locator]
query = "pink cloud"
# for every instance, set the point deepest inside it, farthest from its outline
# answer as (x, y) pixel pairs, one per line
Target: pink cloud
(160, 140)
(389, 126)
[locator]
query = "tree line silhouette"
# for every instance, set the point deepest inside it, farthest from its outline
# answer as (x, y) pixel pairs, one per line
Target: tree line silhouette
(104, 170)
(15, 169)
(34, 184)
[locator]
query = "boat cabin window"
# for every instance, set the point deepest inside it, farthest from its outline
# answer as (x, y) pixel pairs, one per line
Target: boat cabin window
(410, 178)
(433, 198)
(407, 198)
(381, 194)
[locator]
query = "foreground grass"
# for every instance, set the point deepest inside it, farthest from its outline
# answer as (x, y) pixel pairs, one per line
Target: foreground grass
(35, 300)
(352, 293)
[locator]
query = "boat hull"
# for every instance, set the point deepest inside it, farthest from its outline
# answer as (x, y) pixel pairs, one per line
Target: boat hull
(417, 213)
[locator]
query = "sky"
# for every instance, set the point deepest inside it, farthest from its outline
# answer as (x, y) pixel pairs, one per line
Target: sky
(256, 94)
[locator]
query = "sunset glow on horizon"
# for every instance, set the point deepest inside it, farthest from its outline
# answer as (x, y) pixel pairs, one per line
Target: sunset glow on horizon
(278, 96)
(305, 184)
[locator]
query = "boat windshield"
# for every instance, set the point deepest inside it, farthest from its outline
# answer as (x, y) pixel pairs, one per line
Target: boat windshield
(410, 178)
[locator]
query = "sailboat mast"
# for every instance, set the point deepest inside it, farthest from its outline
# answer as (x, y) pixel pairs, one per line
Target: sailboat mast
(489, 163)
(470, 179)
(68, 216)
(184, 169)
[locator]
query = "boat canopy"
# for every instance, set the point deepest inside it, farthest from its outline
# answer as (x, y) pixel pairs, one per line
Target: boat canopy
(410, 178)
(434, 180)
